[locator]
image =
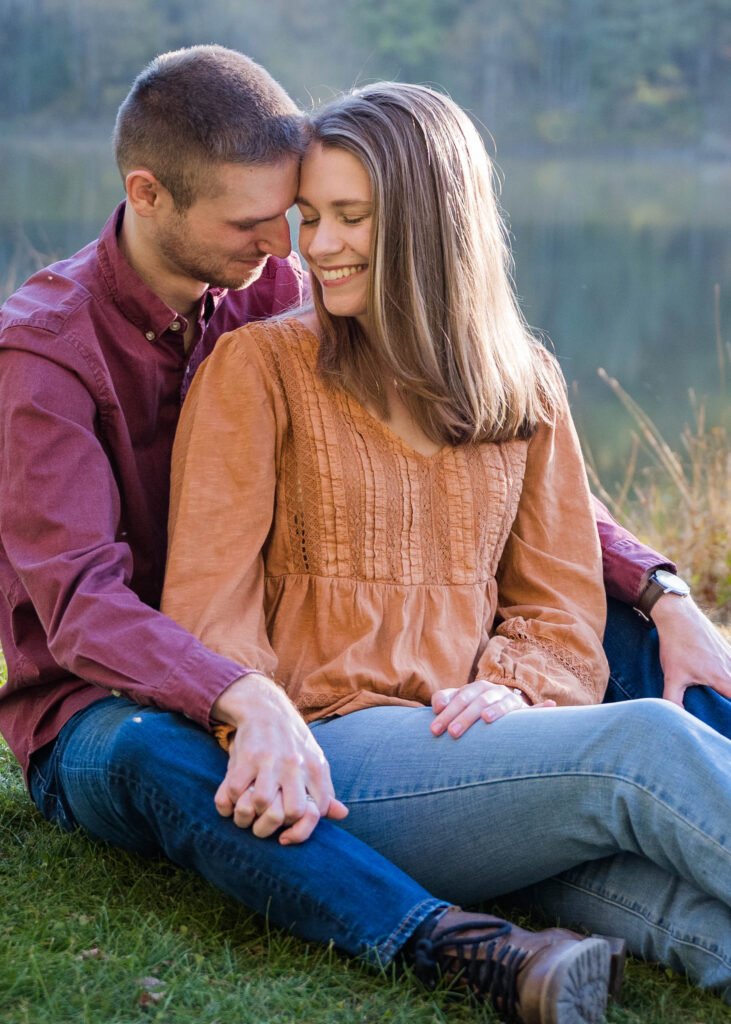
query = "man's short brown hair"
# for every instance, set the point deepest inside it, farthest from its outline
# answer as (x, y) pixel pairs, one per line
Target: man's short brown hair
(201, 106)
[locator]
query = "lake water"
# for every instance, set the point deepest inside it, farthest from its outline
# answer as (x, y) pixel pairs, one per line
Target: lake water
(616, 260)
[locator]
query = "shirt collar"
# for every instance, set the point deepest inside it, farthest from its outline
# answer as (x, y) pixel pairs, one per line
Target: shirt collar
(139, 304)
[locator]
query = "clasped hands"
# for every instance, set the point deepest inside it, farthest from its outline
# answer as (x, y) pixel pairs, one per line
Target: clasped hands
(277, 776)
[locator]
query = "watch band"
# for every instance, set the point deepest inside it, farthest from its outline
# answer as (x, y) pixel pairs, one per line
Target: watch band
(648, 599)
(659, 582)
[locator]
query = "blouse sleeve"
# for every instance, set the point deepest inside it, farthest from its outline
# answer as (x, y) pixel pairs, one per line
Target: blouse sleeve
(221, 503)
(551, 602)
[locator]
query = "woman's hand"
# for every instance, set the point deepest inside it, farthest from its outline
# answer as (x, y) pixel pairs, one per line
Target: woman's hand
(458, 709)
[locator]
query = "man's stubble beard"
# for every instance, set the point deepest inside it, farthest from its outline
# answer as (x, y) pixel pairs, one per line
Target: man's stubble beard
(180, 251)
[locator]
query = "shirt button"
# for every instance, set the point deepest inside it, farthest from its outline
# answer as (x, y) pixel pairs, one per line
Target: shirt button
(175, 325)
(150, 335)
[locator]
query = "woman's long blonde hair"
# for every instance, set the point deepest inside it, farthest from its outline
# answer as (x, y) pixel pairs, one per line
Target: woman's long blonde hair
(444, 323)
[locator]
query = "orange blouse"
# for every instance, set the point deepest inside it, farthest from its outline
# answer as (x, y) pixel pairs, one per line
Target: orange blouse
(309, 542)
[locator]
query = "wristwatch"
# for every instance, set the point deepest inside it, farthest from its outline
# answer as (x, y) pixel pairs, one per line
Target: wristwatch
(659, 582)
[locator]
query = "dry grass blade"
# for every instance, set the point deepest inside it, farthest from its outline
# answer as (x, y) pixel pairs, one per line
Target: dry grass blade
(680, 505)
(720, 355)
(652, 436)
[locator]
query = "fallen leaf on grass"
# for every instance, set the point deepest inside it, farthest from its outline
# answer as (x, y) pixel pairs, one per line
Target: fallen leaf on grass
(151, 998)
(150, 982)
(90, 954)
(82, 919)
(153, 990)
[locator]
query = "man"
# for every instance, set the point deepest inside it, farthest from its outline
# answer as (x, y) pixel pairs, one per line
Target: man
(109, 704)
(683, 658)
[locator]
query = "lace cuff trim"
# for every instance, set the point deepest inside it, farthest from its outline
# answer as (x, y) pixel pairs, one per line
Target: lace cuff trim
(524, 641)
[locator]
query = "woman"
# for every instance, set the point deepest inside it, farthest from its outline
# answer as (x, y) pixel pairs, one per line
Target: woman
(381, 504)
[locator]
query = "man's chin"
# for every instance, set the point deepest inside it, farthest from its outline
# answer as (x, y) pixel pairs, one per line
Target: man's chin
(240, 281)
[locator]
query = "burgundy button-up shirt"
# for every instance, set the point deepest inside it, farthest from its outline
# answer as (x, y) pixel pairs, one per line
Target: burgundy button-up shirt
(92, 367)
(91, 370)
(626, 562)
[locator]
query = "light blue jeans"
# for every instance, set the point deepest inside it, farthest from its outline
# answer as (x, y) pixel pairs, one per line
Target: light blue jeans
(625, 808)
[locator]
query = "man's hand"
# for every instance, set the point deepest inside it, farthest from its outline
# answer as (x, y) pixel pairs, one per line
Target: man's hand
(277, 774)
(692, 651)
(458, 709)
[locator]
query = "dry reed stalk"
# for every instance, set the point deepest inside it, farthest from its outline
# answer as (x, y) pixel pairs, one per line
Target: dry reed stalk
(680, 504)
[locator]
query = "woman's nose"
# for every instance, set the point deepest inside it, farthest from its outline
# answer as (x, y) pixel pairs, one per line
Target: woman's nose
(325, 240)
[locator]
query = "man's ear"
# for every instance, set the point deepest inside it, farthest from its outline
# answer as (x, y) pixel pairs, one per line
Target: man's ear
(144, 192)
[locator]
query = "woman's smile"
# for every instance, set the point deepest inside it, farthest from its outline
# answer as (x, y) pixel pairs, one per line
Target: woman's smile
(339, 275)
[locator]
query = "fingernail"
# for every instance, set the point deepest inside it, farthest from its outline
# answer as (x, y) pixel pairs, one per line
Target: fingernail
(437, 728)
(455, 729)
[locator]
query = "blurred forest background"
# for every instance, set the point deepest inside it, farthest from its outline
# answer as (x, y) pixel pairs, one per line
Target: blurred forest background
(539, 73)
(610, 122)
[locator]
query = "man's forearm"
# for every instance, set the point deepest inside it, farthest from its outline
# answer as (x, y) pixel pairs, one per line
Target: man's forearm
(626, 560)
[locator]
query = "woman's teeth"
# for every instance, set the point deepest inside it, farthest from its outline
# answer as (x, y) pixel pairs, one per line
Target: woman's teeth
(339, 272)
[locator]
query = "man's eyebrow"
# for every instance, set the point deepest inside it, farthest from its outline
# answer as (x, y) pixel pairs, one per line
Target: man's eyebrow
(253, 222)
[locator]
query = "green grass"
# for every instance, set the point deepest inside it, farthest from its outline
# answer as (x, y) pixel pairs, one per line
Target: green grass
(84, 929)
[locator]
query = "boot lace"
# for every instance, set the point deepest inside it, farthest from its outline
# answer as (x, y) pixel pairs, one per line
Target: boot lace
(472, 959)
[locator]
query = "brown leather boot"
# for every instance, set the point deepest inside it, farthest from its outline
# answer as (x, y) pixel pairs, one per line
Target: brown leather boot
(549, 977)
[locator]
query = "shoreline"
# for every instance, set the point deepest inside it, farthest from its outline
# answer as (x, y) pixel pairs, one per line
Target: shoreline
(52, 130)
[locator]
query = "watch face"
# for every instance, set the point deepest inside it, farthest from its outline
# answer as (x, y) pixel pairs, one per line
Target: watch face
(670, 582)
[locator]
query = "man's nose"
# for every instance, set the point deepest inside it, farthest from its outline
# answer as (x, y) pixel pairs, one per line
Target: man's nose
(275, 238)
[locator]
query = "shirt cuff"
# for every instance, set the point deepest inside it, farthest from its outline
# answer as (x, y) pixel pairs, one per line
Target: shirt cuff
(626, 568)
(199, 680)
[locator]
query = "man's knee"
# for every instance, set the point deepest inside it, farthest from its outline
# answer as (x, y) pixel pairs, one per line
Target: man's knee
(128, 768)
(648, 718)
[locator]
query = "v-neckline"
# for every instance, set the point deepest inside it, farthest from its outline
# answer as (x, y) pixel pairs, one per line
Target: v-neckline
(356, 406)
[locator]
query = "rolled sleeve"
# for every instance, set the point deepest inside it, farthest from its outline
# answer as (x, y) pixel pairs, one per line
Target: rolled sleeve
(626, 561)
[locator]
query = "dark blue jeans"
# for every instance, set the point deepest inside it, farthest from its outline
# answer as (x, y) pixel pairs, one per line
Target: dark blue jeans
(634, 665)
(144, 779)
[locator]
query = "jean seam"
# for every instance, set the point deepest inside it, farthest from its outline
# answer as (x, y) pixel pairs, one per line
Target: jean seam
(170, 813)
(48, 786)
(686, 940)
(618, 682)
(611, 776)
(388, 948)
